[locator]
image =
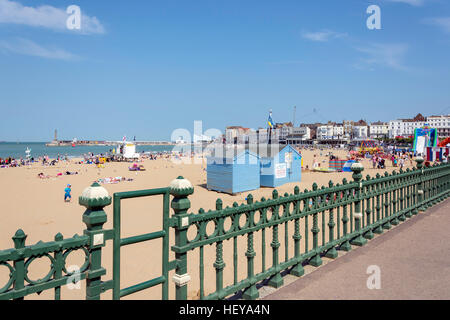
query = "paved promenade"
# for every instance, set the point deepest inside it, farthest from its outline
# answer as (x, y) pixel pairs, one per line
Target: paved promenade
(413, 257)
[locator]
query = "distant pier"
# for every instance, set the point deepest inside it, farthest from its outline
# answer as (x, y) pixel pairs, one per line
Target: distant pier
(61, 143)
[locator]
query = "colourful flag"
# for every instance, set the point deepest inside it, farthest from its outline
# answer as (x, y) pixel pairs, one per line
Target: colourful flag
(270, 121)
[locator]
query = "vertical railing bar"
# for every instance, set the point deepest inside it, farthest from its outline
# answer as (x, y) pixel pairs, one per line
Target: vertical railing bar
(19, 264)
(373, 206)
(351, 217)
(58, 256)
(331, 253)
(219, 265)
(235, 259)
(286, 241)
(323, 213)
(306, 234)
(263, 249)
(116, 247)
(202, 274)
(338, 212)
(165, 258)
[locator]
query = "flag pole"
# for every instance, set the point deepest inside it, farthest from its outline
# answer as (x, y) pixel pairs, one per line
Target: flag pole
(270, 126)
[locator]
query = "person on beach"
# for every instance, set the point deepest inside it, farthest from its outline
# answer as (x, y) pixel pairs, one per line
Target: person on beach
(315, 164)
(42, 176)
(67, 196)
(374, 161)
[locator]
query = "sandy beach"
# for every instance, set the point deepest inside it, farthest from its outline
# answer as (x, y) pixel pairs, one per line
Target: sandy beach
(36, 206)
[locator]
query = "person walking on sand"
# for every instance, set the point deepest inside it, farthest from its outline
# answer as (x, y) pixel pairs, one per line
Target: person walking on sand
(402, 162)
(67, 191)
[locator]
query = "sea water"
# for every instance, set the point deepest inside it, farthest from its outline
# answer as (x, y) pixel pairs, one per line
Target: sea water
(17, 150)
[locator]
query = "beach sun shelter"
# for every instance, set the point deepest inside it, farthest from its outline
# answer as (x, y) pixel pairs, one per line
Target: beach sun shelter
(280, 165)
(234, 173)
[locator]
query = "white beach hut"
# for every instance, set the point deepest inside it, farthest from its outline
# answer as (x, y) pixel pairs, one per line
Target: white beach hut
(127, 150)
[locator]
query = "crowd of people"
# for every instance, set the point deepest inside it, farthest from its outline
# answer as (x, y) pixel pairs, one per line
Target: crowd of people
(10, 162)
(395, 158)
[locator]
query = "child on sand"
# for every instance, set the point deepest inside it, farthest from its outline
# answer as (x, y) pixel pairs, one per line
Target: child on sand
(67, 193)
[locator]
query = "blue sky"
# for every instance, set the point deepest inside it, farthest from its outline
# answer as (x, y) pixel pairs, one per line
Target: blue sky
(146, 68)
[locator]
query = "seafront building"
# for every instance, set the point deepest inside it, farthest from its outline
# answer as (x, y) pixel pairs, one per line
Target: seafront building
(441, 123)
(360, 130)
(305, 133)
(299, 135)
(332, 132)
(348, 128)
(379, 130)
(405, 127)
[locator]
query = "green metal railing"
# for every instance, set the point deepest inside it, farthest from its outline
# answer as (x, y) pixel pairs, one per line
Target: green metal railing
(18, 260)
(324, 220)
(340, 216)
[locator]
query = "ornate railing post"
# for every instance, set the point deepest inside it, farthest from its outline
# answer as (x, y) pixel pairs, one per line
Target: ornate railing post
(401, 206)
(276, 281)
(297, 270)
(394, 212)
(357, 168)
(219, 263)
(251, 293)
(415, 197)
(419, 161)
(19, 264)
(425, 184)
(434, 189)
(331, 253)
(180, 189)
(386, 186)
(95, 198)
(439, 185)
(346, 245)
(59, 265)
(409, 195)
(446, 180)
(369, 233)
(379, 228)
(316, 260)
(445, 183)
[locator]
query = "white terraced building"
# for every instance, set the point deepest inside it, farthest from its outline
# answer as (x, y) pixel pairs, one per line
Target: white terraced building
(441, 123)
(379, 129)
(360, 132)
(403, 128)
(330, 131)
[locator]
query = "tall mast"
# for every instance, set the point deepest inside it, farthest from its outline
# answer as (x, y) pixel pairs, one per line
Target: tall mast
(293, 122)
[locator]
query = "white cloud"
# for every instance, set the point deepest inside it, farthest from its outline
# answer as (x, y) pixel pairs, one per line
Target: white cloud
(443, 23)
(382, 54)
(30, 48)
(45, 16)
(416, 3)
(322, 36)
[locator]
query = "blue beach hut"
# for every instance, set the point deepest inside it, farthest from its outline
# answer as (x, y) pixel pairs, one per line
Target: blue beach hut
(280, 165)
(233, 174)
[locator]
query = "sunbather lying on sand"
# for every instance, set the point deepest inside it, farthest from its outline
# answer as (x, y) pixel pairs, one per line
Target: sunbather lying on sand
(43, 176)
